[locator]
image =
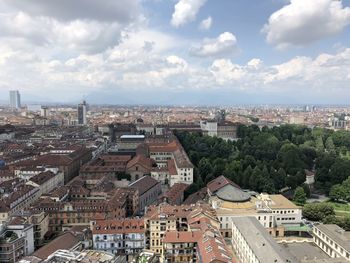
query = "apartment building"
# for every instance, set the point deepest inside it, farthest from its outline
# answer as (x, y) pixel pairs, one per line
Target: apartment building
(20, 198)
(180, 246)
(67, 161)
(46, 181)
(63, 215)
(40, 222)
(12, 247)
(166, 226)
(22, 228)
(201, 242)
(253, 244)
(175, 195)
(120, 237)
(333, 240)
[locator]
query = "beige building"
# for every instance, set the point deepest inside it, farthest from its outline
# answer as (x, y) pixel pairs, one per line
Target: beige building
(186, 233)
(275, 212)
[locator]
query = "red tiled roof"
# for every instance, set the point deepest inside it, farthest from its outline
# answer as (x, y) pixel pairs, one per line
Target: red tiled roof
(65, 241)
(140, 160)
(218, 183)
(181, 236)
(114, 226)
(175, 192)
(144, 184)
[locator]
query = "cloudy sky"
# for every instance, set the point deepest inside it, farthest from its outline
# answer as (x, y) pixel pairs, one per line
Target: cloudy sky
(176, 51)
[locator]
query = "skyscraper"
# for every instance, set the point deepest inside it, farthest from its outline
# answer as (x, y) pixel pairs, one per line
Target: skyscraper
(82, 109)
(43, 111)
(15, 99)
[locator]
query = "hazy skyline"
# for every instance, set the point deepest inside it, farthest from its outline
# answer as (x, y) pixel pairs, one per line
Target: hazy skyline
(176, 52)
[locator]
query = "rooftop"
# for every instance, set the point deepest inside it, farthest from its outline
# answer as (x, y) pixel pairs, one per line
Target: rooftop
(260, 242)
(337, 234)
(144, 184)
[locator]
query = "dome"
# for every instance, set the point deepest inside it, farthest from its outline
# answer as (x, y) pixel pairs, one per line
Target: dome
(231, 193)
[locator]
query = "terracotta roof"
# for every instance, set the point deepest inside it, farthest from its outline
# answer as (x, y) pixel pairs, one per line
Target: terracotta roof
(219, 183)
(181, 236)
(168, 211)
(116, 158)
(212, 247)
(197, 196)
(175, 192)
(42, 178)
(114, 226)
(140, 160)
(171, 167)
(144, 184)
(163, 147)
(65, 241)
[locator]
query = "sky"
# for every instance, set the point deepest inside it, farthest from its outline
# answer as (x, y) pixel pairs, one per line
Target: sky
(181, 52)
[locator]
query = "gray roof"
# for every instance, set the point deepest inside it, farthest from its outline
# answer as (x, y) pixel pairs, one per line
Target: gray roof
(260, 242)
(232, 194)
(337, 234)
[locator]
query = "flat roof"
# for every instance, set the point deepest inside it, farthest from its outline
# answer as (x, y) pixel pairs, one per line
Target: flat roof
(264, 247)
(305, 251)
(339, 235)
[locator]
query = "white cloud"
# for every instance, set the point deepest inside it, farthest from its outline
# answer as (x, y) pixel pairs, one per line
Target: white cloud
(255, 63)
(302, 22)
(81, 26)
(186, 11)
(224, 44)
(78, 35)
(136, 69)
(225, 71)
(121, 11)
(206, 23)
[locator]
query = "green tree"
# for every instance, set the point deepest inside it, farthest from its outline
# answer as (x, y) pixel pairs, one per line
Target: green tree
(317, 211)
(330, 147)
(299, 196)
(246, 177)
(337, 193)
(319, 144)
(205, 168)
(255, 179)
(346, 187)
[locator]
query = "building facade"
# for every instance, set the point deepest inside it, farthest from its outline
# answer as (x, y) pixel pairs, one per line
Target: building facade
(82, 111)
(333, 240)
(120, 237)
(15, 99)
(253, 244)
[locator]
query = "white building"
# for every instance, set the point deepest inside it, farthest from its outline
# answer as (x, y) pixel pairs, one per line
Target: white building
(173, 164)
(47, 181)
(210, 128)
(27, 173)
(123, 237)
(253, 244)
(333, 240)
(27, 232)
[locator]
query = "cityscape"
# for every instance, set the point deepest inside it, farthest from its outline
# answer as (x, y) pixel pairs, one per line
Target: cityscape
(185, 131)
